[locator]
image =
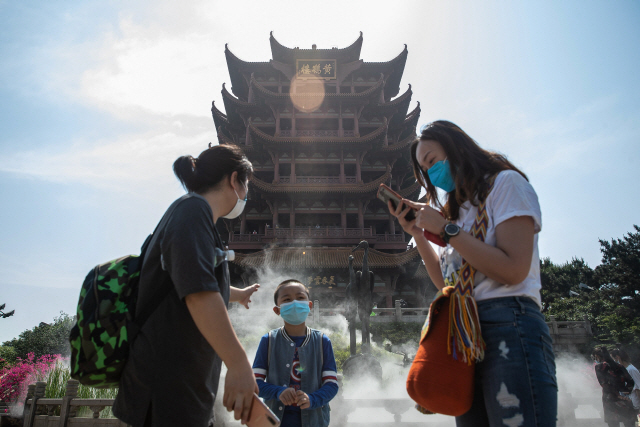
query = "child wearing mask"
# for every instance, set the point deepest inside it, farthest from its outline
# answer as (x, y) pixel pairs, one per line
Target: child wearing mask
(294, 366)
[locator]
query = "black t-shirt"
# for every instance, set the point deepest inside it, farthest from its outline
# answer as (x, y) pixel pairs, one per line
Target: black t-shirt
(171, 366)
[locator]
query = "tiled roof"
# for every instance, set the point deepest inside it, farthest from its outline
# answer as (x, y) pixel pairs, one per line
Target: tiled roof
(288, 55)
(322, 258)
(401, 145)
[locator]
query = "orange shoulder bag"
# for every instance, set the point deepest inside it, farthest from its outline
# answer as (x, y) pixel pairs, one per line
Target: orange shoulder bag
(441, 376)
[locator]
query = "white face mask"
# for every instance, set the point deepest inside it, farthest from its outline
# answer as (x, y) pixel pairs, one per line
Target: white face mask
(238, 208)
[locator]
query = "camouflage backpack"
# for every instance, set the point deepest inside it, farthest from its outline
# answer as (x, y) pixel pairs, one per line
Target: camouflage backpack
(105, 326)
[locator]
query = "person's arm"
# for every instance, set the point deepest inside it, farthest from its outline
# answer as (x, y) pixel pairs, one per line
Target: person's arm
(209, 313)
(329, 386)
(268, 391)
(428, 254)
(242, 296)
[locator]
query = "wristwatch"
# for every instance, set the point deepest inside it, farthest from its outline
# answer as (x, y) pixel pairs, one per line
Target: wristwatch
(450, 230)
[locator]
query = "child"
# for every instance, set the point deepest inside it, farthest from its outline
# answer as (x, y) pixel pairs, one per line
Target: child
(294, 366)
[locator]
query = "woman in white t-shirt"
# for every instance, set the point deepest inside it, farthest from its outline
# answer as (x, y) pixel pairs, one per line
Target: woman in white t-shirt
(515, 384)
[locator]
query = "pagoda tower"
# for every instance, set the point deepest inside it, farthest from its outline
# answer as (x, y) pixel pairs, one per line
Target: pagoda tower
(323, 130)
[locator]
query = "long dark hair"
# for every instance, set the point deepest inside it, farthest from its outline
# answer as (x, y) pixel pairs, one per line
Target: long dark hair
(198, 175)
(603, 353)
(471, 167)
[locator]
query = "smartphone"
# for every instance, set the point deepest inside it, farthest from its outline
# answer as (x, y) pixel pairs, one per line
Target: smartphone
(261, 415)
(386, 194)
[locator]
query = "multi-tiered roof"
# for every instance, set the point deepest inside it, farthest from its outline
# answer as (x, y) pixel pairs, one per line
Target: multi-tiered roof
(323, 130)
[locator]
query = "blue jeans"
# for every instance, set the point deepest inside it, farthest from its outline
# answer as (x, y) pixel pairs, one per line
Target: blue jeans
(515, 384)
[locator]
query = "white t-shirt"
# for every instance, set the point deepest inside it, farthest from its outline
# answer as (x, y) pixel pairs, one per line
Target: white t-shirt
(635, 374)
(511, 196)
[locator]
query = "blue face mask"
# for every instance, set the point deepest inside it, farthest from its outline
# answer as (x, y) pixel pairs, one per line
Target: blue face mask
(440, 176)
(295, 312)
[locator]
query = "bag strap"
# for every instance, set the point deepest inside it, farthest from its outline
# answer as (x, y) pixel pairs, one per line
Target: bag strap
(464, 339)
(465, 280)
(145, 313)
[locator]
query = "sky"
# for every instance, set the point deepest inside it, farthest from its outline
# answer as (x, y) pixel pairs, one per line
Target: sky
(97, 99)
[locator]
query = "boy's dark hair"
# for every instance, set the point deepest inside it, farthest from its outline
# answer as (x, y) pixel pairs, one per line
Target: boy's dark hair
(289, 282)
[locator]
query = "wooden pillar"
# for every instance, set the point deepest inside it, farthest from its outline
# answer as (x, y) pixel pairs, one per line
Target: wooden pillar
(275, 213)
(356, 124)
(360, 215)
(243, 222)
(276, 168)
(293, 166)
(340, 128)
(293, 120)
(292, 217)
(247, 136)
(343, 214)
(358, 168)
(389, 302)
(278, 122)
(392, 224)
(342, 177)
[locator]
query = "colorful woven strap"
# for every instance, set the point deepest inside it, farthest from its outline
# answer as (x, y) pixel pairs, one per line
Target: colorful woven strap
(465, 337)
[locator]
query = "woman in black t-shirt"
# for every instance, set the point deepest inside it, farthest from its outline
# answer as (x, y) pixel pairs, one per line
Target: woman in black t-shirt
(172, 374)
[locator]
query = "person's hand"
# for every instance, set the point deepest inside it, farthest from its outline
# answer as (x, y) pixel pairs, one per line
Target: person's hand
(288, 397)
(246, 294)
(302, 399)
(428, 218)
(408, 226)
(239, 386)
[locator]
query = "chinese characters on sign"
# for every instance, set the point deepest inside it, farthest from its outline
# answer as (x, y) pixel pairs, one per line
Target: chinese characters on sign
(316, 69)
(321, 281)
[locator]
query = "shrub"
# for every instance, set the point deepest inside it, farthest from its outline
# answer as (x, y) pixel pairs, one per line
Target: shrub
(15, 379)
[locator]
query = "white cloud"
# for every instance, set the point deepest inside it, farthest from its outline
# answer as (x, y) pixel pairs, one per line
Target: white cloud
(126, 163)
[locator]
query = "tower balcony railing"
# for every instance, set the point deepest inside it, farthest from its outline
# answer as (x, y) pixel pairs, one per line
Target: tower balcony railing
(336, 234)
(317, 180)
(318, 133)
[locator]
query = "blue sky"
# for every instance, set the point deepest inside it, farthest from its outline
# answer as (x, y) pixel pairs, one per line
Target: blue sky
(97, 99)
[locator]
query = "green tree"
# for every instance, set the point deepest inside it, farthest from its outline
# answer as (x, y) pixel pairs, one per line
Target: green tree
(613, 307)
(44, 339)
(559, 280)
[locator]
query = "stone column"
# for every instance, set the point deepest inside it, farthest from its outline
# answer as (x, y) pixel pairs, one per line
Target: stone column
(66, 410)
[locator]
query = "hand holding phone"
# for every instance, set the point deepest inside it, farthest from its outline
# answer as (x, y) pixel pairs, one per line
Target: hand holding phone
(261, 415)
(386, 194)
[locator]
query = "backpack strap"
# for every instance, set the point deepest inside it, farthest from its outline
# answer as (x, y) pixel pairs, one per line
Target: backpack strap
(145, 312)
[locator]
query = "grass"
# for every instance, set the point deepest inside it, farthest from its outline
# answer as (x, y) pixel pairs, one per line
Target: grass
(57, 387)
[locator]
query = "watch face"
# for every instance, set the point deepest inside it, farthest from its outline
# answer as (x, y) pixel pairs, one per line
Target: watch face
(451, 229)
